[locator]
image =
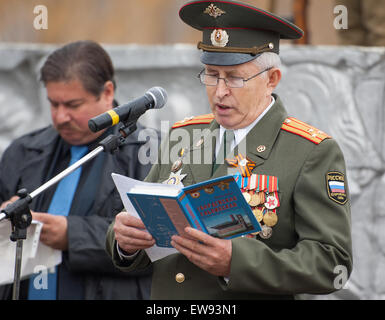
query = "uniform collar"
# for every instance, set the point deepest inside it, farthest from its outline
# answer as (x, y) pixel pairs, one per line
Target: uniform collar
(264, 133)
(240, 134)
(259, 142)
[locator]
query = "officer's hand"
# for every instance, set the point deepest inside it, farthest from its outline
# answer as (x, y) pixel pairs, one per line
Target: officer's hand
(130, 233)
(206, 252)
(54, 231)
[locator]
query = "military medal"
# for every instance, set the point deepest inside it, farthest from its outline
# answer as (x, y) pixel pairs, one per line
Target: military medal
(175, 178)
(247, 196)
(177, 165)
(261, 193)
(181, 152)
(266, 232)
(262, 197)
(255, 200)
(270, 218)
(252, 182)
(244, 164)
(179, 162)
(258, 213)
(271, 202)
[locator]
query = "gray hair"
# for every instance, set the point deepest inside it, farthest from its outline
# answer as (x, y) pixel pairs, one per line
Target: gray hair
(268, 60)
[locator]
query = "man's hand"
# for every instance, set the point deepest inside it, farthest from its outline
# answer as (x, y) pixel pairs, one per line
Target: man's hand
(130, 233)
(5, 203)
(54, 231)
(206, 252)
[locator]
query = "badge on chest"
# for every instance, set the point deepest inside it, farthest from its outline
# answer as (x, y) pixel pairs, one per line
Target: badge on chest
(261, 193)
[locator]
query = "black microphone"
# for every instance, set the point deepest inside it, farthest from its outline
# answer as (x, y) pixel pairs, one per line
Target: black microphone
(154, 98)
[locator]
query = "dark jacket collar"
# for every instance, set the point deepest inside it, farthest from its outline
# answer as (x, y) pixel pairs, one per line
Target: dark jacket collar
(48, 136)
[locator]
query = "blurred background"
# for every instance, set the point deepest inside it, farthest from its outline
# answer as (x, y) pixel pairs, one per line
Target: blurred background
(141, 36)
(327, 82)
(143, 21)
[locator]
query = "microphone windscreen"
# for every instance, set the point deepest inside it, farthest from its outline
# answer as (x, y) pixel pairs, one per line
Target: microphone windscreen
(159, 95)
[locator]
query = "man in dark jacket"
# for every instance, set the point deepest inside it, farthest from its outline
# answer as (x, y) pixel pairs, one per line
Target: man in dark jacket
(79, 82)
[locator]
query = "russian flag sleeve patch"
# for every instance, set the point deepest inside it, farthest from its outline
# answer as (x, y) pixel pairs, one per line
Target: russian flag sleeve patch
(336, 187)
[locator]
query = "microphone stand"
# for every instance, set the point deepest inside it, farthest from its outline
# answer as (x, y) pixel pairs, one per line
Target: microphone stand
(19, 213)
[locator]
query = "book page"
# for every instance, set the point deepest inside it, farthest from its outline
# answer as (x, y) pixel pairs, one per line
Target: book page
(170, 192)
(36, 256)
(124, 185)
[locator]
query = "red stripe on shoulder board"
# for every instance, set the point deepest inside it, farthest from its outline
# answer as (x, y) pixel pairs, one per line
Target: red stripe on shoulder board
(304, 132)
(178, 125)
(303, 136)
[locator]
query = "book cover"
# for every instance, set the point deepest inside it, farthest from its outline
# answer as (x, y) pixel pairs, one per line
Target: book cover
(216, 207)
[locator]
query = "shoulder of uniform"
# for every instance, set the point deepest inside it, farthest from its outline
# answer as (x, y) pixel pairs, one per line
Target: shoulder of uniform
(203, 119)
(304, 130)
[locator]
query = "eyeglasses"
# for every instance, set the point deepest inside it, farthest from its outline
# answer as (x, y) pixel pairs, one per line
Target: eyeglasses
(231, 82)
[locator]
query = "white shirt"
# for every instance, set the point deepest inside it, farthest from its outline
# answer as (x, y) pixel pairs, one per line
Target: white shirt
(240, 134)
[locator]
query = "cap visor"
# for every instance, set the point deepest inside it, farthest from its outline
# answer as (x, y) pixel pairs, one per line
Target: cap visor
(226, 59)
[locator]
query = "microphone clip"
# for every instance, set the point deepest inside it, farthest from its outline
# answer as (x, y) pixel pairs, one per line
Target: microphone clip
(112, 143)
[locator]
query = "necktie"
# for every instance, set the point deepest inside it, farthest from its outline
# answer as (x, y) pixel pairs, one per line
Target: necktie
(43, 285)
(224, 148)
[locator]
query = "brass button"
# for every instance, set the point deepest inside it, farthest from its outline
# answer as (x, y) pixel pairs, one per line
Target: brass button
(179, 277)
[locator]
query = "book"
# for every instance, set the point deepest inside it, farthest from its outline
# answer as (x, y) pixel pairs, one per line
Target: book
(216, 207)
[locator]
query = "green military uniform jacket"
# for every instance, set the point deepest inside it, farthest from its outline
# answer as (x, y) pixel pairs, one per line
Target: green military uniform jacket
(311, 242)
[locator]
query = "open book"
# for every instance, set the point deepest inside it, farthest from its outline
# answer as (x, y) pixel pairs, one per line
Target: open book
(216, 207)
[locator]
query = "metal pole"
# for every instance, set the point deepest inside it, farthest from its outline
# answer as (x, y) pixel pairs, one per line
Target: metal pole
(66, 172)
(16, 284)
(61, 175)
(109, 144)
(19, 242)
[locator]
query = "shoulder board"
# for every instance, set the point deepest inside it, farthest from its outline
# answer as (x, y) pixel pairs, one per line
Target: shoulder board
(304, 130)
(203, 119)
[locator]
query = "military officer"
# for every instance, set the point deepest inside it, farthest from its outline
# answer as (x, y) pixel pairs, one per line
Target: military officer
(293, 175)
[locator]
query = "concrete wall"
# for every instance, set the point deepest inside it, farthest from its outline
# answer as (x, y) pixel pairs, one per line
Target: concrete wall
(337, 89)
